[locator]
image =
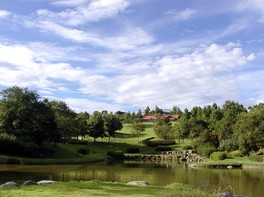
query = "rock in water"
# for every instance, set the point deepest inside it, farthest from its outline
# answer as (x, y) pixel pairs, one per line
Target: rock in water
(8, 185)
(139, 183)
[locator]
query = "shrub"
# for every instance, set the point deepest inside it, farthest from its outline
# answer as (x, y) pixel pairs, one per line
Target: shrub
(235, 153)
(162, 148)
(228, 145)
(218, 156)
(119, 155)
(254, 157)
(205, 150)
(132, 150)
(83, 151)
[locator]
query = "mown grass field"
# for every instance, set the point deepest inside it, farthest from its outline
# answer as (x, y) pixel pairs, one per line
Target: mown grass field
(99, 188)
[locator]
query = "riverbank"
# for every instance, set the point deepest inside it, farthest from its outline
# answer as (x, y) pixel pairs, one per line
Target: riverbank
(229, 163)
(100, 188)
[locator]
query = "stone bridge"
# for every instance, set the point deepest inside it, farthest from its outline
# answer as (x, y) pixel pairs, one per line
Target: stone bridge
(168, 156)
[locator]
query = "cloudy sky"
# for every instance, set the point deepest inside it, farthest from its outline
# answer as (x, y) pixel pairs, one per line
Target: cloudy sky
(128, 54)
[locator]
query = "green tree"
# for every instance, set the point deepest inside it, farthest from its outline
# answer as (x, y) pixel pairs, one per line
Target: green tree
(112, 124)
(224, 128)
(181, 128)
(139, 114)
(147, 111)
(157, 110)
(164, 130)
(176, 110)
(25, 116)
(137, 128)
(82, 122)
(66, 119)
(196, 127)
(249, 130)
(96, 126)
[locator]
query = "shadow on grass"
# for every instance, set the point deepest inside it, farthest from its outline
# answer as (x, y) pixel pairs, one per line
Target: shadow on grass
(129, 135)
(116, 146)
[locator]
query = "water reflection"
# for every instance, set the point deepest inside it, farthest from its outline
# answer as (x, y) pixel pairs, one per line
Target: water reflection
(247, 182)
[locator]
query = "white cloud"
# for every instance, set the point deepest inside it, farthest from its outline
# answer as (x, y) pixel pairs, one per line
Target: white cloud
(84, 11)
(30, 68)
(185, 80)
(130, 39)
(255, 6)
(235, 27)
(69, 2)
(182, 15)
(188, 80)
(4, 14)
(80, 105)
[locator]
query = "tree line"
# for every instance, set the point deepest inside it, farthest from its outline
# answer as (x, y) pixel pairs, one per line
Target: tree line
(28, 118)
(213, 128)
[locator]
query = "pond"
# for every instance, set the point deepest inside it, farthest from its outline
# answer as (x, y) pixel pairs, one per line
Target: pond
(246, 182)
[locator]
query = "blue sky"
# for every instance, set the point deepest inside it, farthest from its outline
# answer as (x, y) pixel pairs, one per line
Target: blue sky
(128, 54)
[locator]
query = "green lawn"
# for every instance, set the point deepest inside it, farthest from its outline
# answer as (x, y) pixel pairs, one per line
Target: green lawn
(98, 188)
(125, 135)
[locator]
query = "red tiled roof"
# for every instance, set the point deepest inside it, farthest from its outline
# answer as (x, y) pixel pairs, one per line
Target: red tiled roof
(149, 118)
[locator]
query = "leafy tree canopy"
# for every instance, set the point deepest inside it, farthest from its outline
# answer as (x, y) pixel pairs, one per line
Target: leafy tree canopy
(25, 116)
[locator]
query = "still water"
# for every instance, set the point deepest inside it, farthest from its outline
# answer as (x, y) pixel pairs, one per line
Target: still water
(247, 182)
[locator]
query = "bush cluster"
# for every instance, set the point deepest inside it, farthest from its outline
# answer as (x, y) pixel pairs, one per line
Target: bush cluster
(254, 157)
(218, 156)
(205, 150)
(235, 153)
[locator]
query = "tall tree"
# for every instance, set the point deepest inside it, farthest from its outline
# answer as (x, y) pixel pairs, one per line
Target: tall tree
(96, 126)
(25, 116)
(225, 127)
(249, 130)
(181, 128)
(147, 111)
(112, 124)
(137, 128)
(66, 119)
(82, 122)
(164, 130)
(157, 110)
(176, 110)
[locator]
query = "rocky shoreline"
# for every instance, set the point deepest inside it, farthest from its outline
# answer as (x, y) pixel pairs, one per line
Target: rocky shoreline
(11, 184)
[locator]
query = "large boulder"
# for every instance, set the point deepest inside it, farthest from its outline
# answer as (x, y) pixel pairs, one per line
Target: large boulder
(8, 185)
(29, 182)
(44, 182)
(138, 183)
